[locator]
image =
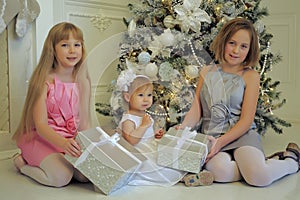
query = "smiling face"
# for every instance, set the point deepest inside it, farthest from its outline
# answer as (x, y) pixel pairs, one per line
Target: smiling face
(237, 48)
(236, 33)
(68, 52)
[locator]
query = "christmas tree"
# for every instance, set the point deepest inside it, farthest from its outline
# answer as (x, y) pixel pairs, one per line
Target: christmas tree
(168, 40)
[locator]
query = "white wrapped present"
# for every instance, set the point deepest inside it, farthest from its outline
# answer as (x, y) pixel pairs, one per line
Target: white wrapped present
(106, 163)
(183, 150)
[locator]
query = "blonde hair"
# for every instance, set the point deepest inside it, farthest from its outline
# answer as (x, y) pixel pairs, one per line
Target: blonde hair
(225, 34)
(45, 66)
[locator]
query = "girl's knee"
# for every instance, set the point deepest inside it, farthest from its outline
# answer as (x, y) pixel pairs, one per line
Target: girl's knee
(251, 162)
(224, 171)
(257, 177)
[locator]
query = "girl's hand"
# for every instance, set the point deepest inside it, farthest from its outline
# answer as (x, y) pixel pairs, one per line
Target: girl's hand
(72, 148)
(159, 134)
(215, 148)
(146, 121)
(179, 126)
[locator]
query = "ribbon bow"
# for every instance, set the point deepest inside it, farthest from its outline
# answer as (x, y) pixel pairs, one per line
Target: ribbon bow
(186, 135)
(102, 140)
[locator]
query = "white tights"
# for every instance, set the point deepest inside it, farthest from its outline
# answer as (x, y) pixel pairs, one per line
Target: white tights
(54, 171)
(249, 163)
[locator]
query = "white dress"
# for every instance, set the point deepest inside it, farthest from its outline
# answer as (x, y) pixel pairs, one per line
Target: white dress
(150, 173)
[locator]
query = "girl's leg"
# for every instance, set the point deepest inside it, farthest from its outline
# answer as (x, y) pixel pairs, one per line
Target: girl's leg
(260, 172)
(54, 171)
(79, 176)
(223, 168)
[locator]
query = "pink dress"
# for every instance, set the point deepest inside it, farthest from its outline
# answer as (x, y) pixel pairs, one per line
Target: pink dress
(63, 116)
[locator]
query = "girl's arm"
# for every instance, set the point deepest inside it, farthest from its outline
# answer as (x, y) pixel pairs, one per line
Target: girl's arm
(134, 134)
(40, 119)
(248, 111)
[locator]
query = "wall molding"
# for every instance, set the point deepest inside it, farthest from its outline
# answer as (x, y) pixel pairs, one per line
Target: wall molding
(113, 5)
(284, 28)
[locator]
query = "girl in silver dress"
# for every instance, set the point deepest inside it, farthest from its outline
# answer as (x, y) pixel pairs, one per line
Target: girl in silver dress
(225, 102)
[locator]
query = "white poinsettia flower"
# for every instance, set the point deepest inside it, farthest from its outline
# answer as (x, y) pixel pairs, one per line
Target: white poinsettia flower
(190, 16)
(158, 48)
(155, 46)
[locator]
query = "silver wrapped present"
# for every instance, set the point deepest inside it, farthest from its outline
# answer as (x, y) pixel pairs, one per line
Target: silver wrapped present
(183, 150)
(106, 163)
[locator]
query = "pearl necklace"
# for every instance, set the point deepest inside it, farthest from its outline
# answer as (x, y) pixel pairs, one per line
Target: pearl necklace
(156, 113)
(194, 54)
(265, 59)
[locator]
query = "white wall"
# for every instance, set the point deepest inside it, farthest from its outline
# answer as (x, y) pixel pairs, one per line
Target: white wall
(284, 23)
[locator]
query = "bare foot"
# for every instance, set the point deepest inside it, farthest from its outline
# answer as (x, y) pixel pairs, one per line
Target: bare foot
(19, 161)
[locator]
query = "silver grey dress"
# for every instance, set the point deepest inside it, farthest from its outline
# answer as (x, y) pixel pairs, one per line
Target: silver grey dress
(221, 99)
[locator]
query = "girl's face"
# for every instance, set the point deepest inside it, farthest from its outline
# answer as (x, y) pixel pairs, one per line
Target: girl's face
(68, 52)
(141, 99)
(237, 48)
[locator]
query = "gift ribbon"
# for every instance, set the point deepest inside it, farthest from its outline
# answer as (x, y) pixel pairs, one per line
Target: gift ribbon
(103, 140)
(187, 135)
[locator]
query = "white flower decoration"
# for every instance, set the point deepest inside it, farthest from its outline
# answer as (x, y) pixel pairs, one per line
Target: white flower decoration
(158, 48)
(125, 79)
(190, 15)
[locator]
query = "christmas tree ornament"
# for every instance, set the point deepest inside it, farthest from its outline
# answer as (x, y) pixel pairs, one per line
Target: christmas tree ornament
(29, 12)
(169, 21)
(265, 59)
(151, 70)
(192, 71)
(194, 54)
(259, 26)
(166, 2)
(166, 71)
(167, 38)
(218, 10)
(144, 58)
(190, 15)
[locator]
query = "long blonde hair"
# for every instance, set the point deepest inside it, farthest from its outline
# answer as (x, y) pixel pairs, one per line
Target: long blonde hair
(45, 66)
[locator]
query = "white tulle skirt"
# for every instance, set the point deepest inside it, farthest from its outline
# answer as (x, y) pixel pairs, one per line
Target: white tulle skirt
(152, 174)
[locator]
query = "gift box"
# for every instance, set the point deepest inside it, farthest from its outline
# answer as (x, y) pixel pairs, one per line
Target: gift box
(183, 150)
(106, 163)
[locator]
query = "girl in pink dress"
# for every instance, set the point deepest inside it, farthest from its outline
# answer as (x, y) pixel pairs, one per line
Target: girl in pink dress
(54, 111)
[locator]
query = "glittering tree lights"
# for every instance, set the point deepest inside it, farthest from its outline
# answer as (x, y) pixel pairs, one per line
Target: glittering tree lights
(169, 40)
